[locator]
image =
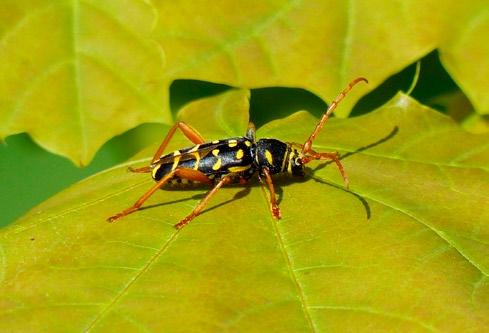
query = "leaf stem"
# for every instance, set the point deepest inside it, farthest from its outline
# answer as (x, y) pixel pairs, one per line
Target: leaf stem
(415, 78)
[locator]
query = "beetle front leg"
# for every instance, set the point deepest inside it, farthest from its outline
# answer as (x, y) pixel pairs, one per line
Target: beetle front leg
(334, 156)
(274, 209)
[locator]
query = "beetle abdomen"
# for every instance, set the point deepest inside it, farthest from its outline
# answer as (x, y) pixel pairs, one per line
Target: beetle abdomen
(214, 159)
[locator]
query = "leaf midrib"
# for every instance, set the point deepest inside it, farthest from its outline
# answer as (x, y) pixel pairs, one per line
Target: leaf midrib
(77, 79)
(286, 256)
(292, 273)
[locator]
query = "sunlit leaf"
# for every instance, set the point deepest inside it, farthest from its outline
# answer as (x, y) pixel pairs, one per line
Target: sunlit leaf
(404, 250)
(75, 73)
(322, 45)
(225, 115)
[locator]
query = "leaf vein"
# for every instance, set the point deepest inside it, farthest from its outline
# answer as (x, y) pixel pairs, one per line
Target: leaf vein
(31, 85)
(74, 209)
(293, 275)
(475, 287)
(116, 74)
(131, 282)
(120, 25)
(235, 40)
(401, 159)
(347, 42)
(373, 311)
(440, 233)
(77, 80)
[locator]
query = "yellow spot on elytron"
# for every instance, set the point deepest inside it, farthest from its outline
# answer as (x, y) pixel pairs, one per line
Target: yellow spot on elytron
(247, 143)
(269, 157)
(232, 143)
(215, 141)
(239, 168)
(217, 165)
(184, 181)
(239, 154)
(155, 170)
(197, 160)
(176, 153)
(215, 152)
(176, 160)
(195, 148)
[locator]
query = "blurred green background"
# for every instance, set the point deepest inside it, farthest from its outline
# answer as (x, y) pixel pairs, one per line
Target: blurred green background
(29, 174)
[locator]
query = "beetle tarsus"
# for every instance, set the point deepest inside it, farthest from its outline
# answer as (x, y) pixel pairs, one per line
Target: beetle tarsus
(139, 170)
(183, 222)
(114, 218)
(277, 215)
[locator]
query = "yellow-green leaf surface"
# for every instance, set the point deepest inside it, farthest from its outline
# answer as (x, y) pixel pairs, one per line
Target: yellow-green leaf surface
(75, 73)
(406, 249)
(322, 45)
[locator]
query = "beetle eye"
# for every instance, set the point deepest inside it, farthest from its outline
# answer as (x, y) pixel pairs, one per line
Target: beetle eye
(298, 161)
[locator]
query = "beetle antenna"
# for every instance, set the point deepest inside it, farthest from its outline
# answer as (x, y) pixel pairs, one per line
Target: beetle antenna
(308, 144)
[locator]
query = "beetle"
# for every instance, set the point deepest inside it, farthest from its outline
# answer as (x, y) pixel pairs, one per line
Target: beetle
(234, 160)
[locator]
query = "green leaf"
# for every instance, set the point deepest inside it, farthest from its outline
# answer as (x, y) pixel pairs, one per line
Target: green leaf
(404, 250)
(73, 74)
(226, 115)
(322, 45)
(459, 108)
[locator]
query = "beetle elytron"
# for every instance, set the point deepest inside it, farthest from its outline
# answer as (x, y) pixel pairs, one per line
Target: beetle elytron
(233, 160)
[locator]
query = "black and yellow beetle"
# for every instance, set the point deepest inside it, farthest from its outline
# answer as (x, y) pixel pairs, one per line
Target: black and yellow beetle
(233, 160)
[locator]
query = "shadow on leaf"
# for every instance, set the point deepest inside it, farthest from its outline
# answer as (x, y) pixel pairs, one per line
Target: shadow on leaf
(364, 202)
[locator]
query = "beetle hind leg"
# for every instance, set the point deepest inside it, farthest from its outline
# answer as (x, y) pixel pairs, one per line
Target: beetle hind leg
(183, 173)
(189, 132)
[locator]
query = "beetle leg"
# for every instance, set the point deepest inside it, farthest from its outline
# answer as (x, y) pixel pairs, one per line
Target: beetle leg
(193, 175)
(224, 181)
(189, 174)
(188, 131)
(273, 200)
(334, 156)
(145, 169)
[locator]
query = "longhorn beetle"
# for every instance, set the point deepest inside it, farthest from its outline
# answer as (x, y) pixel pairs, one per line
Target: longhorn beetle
(234, 160)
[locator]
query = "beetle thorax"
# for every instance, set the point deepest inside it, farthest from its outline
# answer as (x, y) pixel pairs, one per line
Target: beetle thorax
(277, 157)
